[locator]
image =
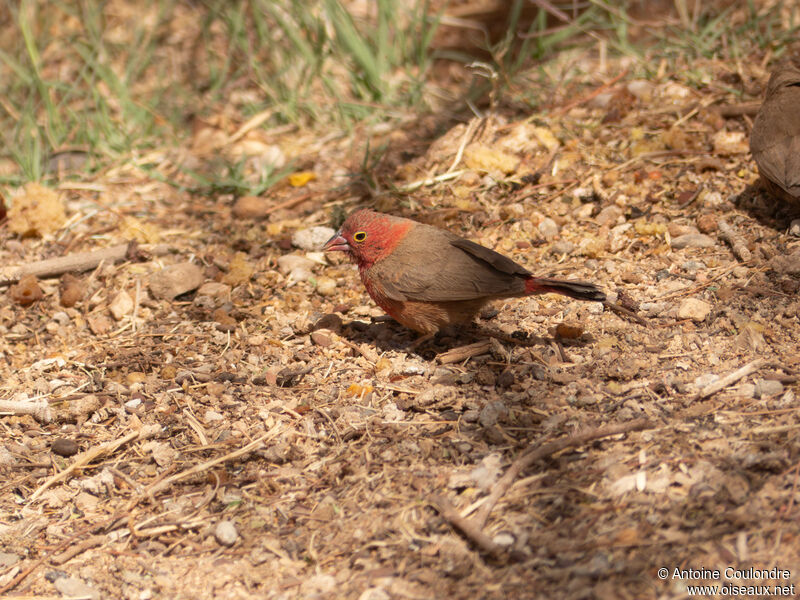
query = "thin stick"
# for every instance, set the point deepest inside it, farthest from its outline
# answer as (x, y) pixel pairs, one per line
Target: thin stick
(40, 409)
(720, 384)
(78, 262)
(84, 459)
(430, 181)
(456, 355)
(79, 548)
(165, 483)
(466, 526)
(625, 312)
(531, 455)
(467, 138)
(730, 235)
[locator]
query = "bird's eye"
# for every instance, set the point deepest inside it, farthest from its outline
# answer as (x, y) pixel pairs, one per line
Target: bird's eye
(360, 236)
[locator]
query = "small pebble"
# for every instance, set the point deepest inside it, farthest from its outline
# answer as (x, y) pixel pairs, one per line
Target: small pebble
(300, 274)
(506, 379)
(312, 238)
(224, 322)
(470, 416)
(727, 143)
(27, 291)
(212, 416)
(610, 215)
(594, 308)
(225, 533)
(215, 290)
(739, 271)
(330, 321)
(794, 228)
(768, 387)
(70, 290)
(707, 223)
(693, 240)
(60, 317)
(8, 558)
(641, 88)
(562, 247)
(251, 207)
(75, 588)
(175, 280)
(326, 286)
(121, 305)
(691, 266)
(492, 413)
(786, 264)
(504, 539)
(289, 262)
(677, 229)
(374, 593)
(695, 309)
(64, 447)
(321, 338)
(548, 228)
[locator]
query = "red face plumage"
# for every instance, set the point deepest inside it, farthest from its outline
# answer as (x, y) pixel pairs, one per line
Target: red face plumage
(368, 236)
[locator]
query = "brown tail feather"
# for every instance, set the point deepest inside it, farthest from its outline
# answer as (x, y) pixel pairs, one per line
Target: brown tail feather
(580, 290)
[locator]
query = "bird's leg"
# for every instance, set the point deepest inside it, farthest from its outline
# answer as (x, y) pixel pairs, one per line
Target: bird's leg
(421, 340)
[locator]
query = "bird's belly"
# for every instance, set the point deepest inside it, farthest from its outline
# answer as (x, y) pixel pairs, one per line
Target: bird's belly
(424, 317)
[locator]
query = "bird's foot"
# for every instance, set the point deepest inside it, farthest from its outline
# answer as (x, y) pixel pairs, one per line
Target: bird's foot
(423, 339)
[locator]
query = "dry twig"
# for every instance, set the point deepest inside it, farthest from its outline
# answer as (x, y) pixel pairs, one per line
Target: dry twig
(468, 527)
(165, 483)
(40, 409)
(625, 312)
(722, 383)
(730, 235)
(456, 355)
(72, 263)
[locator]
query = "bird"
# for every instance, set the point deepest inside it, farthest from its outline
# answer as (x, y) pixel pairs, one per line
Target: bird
(427, 278)
(775, 139)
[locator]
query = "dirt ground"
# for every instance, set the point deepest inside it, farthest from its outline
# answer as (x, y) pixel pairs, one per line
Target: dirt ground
(262, 434)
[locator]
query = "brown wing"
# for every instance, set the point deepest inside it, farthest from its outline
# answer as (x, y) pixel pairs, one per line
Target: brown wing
(775, 140)
(431, 265)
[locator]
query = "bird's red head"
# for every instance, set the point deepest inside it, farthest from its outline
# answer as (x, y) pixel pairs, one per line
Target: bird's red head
(368, 236)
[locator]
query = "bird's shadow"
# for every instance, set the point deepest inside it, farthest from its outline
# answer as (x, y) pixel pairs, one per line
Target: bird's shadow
(765, 208)
(389, 335)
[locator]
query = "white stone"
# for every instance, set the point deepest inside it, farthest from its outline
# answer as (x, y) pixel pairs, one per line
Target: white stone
(312, 238)
(695, 309)
(289, 262)
(225, 533)
(121, 305)
(326, 286)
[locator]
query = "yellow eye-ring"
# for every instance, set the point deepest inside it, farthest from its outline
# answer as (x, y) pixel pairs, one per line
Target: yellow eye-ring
(360, 236)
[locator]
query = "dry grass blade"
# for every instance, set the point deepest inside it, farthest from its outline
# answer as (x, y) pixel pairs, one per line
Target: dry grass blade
(202, 467)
